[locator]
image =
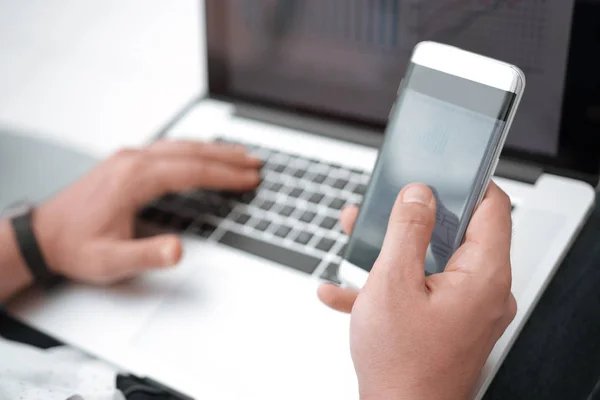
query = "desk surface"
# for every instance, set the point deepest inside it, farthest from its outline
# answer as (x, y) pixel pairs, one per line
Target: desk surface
(98, 74)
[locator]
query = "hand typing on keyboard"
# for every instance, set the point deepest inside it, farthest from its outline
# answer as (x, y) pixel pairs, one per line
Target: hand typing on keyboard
(417, 337)
(291, 218)
(87, 231)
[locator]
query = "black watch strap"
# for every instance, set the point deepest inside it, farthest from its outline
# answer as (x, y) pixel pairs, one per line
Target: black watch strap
(30, 249)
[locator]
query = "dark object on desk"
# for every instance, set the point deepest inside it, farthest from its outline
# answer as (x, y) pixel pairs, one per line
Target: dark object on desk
(134, 388)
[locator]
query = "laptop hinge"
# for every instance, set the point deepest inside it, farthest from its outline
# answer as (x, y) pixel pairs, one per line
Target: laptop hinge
(518, 171)
(349, 133)
(509, 169)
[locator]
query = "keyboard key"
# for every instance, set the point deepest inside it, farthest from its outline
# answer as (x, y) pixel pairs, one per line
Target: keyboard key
(316, 198)
(169, 198)
(308, 216)
(181, 223)
(331, 274)
(223, 211)
(283, 231)
(342, 251)
(266, 205)
(203, 230)
(153, 214)
(337, 204)
(360, 189)
(286, 211)
(263, 225)
(266, 185)
(296, 192)
(262, 153)
(269, 166)
(304, 237)
(229, 195)
(299, 173)
(290, 258)
(276, 187)
(325, 244)
(279, 168)
(199, 205)
(242, 219)
(340, 183)
(320, 178)
(247, 197)
(328, 223)
(357, 171)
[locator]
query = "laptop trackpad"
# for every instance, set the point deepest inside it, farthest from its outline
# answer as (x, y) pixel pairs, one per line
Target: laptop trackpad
(252, 327)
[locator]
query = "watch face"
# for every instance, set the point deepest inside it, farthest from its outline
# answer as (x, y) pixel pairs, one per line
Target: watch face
(16, 209)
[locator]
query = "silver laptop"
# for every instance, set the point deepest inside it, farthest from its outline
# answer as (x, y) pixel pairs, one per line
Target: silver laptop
(307, 86)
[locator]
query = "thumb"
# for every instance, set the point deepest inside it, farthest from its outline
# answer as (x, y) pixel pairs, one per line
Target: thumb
(402, 257)
(130, 257)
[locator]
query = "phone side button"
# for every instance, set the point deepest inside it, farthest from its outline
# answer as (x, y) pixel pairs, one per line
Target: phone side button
(494, 168)
(400, 87)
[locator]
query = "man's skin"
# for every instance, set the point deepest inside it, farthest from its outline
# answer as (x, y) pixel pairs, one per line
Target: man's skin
(412, 337)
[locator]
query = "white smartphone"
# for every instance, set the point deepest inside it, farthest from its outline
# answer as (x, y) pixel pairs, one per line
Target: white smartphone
(446, 129)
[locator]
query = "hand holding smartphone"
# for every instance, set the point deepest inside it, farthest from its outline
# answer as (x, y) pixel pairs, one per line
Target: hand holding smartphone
(446, 130)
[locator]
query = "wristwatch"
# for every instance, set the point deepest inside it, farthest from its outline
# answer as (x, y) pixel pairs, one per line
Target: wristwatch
(21, 218)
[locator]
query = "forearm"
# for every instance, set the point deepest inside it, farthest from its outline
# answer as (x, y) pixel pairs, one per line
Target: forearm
(14, 275)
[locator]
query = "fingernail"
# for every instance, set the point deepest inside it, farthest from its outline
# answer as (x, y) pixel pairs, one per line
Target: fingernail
(253, 176)
(256, 161)
(416, 193)
(168, 254)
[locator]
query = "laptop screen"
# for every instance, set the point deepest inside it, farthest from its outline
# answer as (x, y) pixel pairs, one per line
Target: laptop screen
(344, 59)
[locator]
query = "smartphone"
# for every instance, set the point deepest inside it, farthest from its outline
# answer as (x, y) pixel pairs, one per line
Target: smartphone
(446, 129)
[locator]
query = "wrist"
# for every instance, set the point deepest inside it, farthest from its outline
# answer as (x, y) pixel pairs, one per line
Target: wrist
(425, 391)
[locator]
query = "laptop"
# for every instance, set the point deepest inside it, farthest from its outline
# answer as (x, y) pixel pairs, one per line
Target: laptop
(307, 86)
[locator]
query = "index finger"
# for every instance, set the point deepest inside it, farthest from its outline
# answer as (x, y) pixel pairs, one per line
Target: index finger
(491, 224)
(231, 154)
(177, 175)
(486, 249)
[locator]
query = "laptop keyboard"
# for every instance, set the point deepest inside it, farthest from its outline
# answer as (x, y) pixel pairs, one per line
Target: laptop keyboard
(292, 218)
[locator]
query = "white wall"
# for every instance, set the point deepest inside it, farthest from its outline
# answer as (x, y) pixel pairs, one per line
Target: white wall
(97, 73)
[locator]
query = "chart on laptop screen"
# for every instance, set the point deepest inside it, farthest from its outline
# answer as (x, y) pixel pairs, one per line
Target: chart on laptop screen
(358, 50)
(521, 25)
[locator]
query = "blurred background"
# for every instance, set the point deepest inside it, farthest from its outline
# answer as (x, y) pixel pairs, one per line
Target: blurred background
(97, 74)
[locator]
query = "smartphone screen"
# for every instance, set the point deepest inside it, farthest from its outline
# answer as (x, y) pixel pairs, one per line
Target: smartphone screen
(442, 132)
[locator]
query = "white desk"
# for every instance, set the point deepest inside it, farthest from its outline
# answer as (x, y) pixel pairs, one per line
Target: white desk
(98, 74)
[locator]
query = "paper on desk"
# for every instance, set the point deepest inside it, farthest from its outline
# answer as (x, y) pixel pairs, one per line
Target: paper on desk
(29, 373)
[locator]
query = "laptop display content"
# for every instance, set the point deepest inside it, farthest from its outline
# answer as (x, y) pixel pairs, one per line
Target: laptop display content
(343, 60)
